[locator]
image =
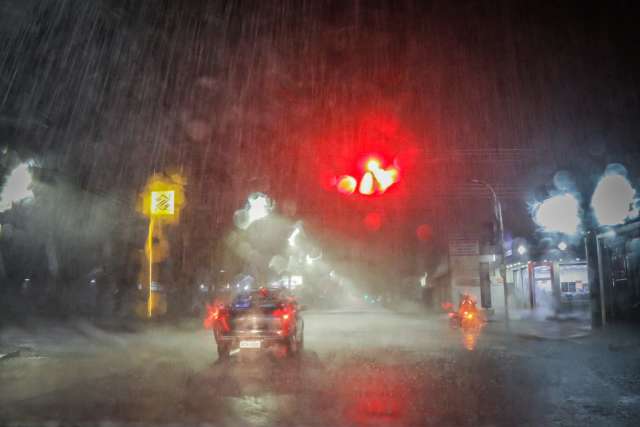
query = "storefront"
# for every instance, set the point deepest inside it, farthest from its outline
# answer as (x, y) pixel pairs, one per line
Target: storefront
(615, 260)
(556, 286)
(518, 278)
(574, 285)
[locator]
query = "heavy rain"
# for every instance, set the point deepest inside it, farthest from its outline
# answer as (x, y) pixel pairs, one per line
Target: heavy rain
(319, 213)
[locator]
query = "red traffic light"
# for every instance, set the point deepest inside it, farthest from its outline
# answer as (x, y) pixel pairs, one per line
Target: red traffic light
(375, 179)
(346, 184)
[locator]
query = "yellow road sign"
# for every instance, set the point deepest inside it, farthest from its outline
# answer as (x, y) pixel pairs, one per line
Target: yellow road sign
(163, 203)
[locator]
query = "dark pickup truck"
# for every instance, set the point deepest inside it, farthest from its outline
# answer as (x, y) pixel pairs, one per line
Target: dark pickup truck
(260, 320)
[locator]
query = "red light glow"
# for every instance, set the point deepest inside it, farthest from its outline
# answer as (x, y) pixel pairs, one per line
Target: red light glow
(216, 315)
(347, 184)
(285, 314)
(424, 232)
(377, 395)
(447, 306)
(212, 316)
(372, 164)
(370, 141)
(376, 178)
(373, 221)
(328, 179)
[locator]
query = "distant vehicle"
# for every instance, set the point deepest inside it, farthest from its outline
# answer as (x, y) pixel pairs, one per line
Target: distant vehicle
(259, 320)
(467, 316)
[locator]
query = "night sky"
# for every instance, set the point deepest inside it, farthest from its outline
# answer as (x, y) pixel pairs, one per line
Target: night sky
(276, 96)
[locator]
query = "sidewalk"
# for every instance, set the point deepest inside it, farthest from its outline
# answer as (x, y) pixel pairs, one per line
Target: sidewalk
(549, 329)
(531, 325)
(617, 337)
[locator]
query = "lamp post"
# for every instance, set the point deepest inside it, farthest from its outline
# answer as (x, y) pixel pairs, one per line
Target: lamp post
(497, 210)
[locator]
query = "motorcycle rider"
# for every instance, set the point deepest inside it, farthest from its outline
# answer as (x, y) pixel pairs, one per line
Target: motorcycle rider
(468, 305)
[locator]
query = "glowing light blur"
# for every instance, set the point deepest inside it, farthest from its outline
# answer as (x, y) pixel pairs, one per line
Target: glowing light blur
(522, 249)
(17, 187)
(294, 234)
(216, 316)
(470, 339)
(559, 213)
(258, 206)
(376, 179)
(614, 200)
(160, 185)
(373, 221)
(562, 246)
(366, 185)
(424, 232)
(385, 178)
(347, 184)
(310, 259)
(372, 165)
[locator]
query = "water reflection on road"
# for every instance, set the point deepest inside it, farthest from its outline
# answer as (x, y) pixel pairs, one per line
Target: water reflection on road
(359, 369)
(354, 390)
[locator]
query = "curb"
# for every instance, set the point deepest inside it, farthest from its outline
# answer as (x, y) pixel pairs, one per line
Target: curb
(539, 337)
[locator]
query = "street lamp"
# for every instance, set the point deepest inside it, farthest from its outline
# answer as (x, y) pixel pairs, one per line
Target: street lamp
(497, 210)
(522, 249)
(614, 199)
(259, 205)
(17, 187)
(562, 246)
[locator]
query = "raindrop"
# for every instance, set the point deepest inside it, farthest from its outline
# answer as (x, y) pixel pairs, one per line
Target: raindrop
(563, 181)
(241, 219)
(615, 169)
(373, 221)
(424, 232)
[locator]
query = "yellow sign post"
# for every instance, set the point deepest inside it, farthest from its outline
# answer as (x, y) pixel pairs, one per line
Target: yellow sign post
(162, 200)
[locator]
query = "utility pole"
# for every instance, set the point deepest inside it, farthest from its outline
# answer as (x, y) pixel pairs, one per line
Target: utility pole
(497, 211)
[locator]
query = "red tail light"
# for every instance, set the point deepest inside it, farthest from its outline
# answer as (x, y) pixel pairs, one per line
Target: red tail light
(217, 314)
(286, 314)
(447, 306)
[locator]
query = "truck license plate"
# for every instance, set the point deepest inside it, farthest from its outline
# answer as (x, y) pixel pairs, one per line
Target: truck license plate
(249, 344)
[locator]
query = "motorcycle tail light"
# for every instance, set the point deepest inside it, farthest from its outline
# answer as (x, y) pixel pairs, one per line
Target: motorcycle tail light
(217, 314)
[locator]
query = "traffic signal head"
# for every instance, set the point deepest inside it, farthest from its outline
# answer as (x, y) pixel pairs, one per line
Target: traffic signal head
(374, 178)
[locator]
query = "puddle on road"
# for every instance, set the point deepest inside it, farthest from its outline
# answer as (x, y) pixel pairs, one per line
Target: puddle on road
(264, 410)
(380, 387)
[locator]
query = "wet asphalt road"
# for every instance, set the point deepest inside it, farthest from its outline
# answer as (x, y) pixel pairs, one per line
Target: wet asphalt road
(358, 368)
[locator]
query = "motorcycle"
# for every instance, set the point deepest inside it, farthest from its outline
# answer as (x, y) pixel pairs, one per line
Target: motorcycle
(470, 321)
(464, 319)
